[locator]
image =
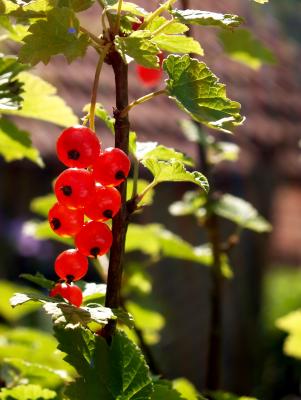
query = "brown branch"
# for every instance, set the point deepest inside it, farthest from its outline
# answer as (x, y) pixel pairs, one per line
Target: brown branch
(120, 221)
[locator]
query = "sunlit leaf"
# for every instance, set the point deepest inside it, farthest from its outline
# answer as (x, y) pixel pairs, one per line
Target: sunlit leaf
(243, 47)
(15, 144)
(27, 392)
(207, 18)
(198, 92)
(178, 44)
(10, 86)
(40, 101)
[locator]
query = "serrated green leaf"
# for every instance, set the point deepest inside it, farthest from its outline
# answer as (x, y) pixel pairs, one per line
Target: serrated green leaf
(65, 314)
(10, 87)
(52, 36)
(207, 18)
(198, 92)
(241, 213)
(178, 44)
(39, 279)
(108, 372)
(243, 47)
(27, 392)
(40, 101)
(146, 150)
(139, 47)
(174, 171)
(16, 144)
(173, 28)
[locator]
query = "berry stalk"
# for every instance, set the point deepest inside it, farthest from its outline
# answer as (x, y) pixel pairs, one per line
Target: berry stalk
(120, 221)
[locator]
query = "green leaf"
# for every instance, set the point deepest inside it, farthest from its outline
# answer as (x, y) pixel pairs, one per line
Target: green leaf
(178, 44)
(39, 280)
(241, 213)
(174, 171)
(10, 87)
(262, 1)
(158, 241)
(108, 372)
(103, 115)
(41, 205)
(27, 392)
(164, 391)
(51, 37)
(20, 371)
(41, 102)
(186, 389)
(192, 203)
(42, 231)
(140, 47)
(146, 150)
(130, 8)
(173, 28)
(291, 323)
(7, 289)
(207, 18)
(198, 92)
(149, 321)
(37, 346)
(65, 314)
(16, 144)
(76, 5)
(142, 184)
(243, 47)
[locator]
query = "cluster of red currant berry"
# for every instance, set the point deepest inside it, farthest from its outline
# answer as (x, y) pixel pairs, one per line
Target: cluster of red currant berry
(86, 188)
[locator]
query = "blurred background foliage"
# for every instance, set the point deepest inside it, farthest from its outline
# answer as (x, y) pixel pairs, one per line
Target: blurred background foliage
(167, 280)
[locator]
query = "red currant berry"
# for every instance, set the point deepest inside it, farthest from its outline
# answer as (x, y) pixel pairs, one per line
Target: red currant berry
(104, 204)
(112, 167)
(73, 187)
(78, 146)
(71, 265)
(65, 222)
(136, 25)
(71, 293)
(94, 239)
(150, 76)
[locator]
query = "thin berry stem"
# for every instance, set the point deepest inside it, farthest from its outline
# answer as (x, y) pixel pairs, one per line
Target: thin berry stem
(142, 100)
(95, 86)
(118, 16)
(93, 37)
(156, 13)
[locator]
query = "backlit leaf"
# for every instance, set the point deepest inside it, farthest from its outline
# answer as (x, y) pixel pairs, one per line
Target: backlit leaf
(178, 44)
(198, 92)
(27, 392)
(207, 18)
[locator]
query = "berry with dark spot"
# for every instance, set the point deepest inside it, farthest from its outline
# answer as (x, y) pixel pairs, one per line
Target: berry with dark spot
(78, 147)
(94, 239)
(104, 204)
(71, 265)
(112, 167)
(73, 187)
(65, 222)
